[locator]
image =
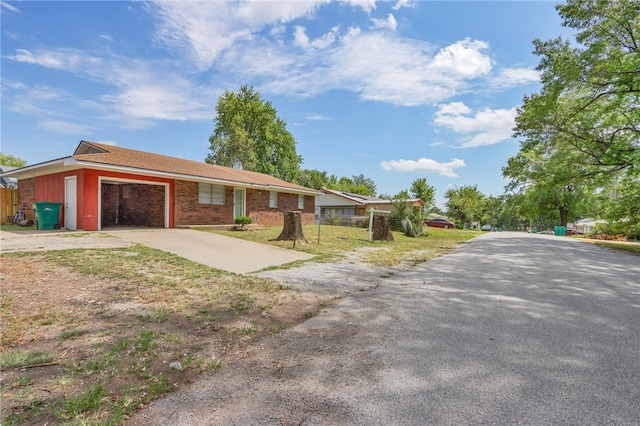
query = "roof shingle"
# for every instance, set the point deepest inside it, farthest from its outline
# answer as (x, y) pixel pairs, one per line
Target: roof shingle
(146, 161)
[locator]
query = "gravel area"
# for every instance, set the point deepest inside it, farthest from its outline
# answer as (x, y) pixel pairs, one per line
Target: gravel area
(48, 240)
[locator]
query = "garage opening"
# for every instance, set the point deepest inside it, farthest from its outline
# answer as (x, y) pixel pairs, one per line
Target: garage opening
(132, 204)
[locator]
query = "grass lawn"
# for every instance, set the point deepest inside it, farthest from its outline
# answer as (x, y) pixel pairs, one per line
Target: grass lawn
(329, 242)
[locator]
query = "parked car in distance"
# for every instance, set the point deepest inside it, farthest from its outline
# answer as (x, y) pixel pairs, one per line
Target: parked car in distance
(486, 228)
(440, 223)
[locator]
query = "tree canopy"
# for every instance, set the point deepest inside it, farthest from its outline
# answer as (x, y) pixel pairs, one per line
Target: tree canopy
(249, 135)
(465, 204)
(10, 160)
(317, 179)
(581, 131)
(421, 189)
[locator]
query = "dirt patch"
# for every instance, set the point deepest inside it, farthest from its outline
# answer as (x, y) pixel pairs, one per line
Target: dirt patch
(43, 240)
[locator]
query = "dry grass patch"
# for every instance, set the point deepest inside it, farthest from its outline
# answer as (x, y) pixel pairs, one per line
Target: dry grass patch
(331, 242)
(89, 336)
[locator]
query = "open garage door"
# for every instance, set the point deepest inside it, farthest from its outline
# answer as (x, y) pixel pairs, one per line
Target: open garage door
(133, 203)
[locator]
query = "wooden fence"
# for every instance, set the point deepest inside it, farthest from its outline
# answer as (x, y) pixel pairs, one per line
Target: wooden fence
(8, 204)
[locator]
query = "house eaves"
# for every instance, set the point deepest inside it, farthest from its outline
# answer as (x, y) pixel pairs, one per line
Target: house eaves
(110, 158)
(193, 178)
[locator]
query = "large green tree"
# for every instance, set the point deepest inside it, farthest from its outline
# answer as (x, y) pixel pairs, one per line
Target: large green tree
(546, 181)
(421, 189)
(10, 160)
(249, 135)
(465, 204)
(591, 88)
(584, 124)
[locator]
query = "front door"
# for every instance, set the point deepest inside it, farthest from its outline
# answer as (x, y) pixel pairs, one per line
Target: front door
(71, 203)
(239, 207)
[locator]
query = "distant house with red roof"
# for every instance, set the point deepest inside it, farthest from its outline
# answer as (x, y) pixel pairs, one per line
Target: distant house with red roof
(104, 186)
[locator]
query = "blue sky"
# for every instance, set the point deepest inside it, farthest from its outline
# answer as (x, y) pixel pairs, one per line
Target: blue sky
(394, 90)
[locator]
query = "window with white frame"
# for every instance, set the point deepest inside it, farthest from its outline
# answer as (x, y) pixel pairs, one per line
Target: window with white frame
(210, 194)
(273, 199)
(301, 201)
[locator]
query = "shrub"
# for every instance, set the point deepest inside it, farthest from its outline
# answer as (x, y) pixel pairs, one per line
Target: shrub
(242, 221)
(333, 218)
(403, 218)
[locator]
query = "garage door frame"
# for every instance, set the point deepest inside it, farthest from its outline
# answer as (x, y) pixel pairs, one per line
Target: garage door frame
(136, 181)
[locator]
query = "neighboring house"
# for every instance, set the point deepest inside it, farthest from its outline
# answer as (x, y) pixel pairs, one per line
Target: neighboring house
(102, 185)
(585, 226)
(7, 182)
(348, 208)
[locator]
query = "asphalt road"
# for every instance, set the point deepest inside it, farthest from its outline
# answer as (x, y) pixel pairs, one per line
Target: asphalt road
(508, 329)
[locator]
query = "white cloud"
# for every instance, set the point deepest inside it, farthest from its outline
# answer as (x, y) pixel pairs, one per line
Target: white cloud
(9, 7)
(229, 38)
(513, 77)
(400, 4)
(317, 117)
(160, 102)
(485, 127)
(207, 29)
(302, 40)
(379, 67)
(464, 59)
(366, 5)
(387, 69)
(144, 91)
(62, 59)
(390, 22)
(65, 127)
(424, 165)
(248, 41)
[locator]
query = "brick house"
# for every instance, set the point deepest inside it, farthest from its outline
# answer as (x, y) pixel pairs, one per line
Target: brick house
(103, 186)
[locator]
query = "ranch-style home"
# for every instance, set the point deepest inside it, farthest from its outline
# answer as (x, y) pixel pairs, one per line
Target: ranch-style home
(352, 209)
(105, 186)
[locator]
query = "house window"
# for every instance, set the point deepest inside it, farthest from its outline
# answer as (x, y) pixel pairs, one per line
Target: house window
(301, 202)
(344, 212)
(273, 199)
(210, 194)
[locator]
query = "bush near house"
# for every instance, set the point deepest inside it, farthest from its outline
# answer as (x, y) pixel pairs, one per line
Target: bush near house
(242, 221)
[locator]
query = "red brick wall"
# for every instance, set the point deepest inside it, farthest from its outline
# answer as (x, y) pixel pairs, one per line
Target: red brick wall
(142, 205)
(109, 203)
(132, 204)
(259, 211)
(26, 196)
(188, 211)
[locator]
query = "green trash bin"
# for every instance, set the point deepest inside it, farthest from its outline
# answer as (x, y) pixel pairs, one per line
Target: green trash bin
(47, 215)
(560, 231)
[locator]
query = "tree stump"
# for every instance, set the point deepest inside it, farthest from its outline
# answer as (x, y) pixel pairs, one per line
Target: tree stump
(381, 229)
(292, 230)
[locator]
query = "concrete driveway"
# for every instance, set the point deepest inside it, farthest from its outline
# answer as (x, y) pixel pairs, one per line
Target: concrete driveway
(215, 250)
(218, 251)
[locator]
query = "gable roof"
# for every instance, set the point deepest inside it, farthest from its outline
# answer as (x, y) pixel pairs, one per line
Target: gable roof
(365, 199)
(108, 157)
